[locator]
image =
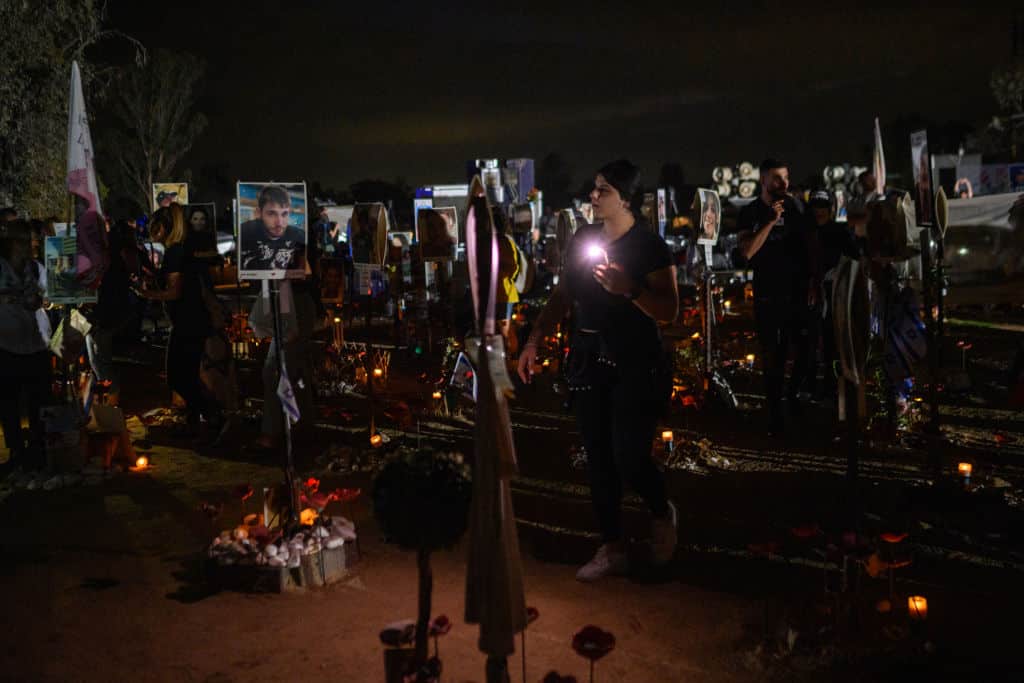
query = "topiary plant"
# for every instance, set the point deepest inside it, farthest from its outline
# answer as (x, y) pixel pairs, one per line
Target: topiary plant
(421, 501)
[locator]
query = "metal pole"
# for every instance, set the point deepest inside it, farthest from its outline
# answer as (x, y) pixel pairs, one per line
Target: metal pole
(289, 469)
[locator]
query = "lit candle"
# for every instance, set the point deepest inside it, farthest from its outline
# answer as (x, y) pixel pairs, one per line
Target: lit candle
(376, 440)
(728, 304)
(750, 359)
(141, 462)
(965, 469)
(667, 436)
(917, 606)
(547, 362)
(378, 372)
(337, 320)
(437, 395)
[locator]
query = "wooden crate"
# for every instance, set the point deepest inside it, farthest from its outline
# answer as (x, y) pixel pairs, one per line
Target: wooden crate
(251, 578)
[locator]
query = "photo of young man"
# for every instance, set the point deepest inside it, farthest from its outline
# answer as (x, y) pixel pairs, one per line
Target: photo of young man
(272, 242)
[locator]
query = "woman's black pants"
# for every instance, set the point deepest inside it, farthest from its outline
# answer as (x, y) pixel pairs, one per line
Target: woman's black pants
(617, 420)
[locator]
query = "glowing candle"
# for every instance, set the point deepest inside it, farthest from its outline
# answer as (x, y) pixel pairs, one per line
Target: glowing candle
(965, 469)
(667, 436)
(750, 359)
(727, 304)
(437, 395)
(376, 440)
(141, 462)
(917, 606)
(378, 372)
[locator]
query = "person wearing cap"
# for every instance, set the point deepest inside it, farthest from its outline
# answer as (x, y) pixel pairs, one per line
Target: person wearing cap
(619, 283)
(776, 242)
(835, 240)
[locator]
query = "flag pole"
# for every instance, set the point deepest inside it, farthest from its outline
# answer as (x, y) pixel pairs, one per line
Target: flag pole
(289, 468)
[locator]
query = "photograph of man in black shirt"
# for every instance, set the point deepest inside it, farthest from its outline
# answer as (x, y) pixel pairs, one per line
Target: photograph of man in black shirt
(775, 241)
(270, 242)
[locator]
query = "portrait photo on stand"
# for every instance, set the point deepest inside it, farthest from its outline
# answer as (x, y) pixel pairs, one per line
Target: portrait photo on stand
(272, 230)
(165, 194)
(840, 206)
(439, 233)
(368, 233)
(920, 162)
(710, 216)
(332, 280)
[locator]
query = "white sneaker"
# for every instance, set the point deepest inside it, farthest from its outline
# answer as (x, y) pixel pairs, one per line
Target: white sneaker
(664, 535)
(606, 562)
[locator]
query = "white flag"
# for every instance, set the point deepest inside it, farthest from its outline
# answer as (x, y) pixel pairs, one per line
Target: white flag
(878, 160)
(287, 396)
(81, 172)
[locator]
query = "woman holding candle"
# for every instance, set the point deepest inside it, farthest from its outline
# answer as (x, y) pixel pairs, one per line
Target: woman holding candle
(618, 283)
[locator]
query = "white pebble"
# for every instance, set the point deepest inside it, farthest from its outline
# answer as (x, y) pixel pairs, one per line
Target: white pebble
(270, 550)
(334, 542)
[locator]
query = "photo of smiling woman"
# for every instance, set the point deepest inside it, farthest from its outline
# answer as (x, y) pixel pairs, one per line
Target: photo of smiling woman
(618, 282)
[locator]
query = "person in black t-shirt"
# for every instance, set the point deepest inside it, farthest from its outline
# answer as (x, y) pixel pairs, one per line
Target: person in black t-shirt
(618, 281)
(776, 241)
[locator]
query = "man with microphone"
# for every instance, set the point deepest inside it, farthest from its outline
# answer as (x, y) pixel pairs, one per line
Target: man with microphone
(775, 240)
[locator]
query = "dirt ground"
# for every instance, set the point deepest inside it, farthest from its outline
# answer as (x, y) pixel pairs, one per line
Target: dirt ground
(106, 582)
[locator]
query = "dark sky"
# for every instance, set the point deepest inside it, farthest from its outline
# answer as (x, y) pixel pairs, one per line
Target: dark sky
(339, 91)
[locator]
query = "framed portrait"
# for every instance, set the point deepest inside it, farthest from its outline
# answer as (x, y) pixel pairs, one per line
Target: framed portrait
(439, 233)
(710, 216)
(920, 164)
(165, 194)
(332, 280)
(840, 205)
(368, 233)
(62, 286)
(272, 230)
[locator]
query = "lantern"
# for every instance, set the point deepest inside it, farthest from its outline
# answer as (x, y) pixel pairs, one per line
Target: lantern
(917, 606)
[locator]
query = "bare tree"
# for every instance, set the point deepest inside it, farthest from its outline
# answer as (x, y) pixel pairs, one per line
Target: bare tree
(155, 125)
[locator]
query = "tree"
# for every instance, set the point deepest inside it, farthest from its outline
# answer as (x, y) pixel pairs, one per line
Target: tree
(1007, 85)
(154, 125)
(39, 43)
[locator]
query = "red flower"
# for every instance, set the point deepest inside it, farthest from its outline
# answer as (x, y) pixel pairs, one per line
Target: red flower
(531, 615)
(689, 401)
(244, 491)
(345, 495)
(894, 536)
(312, 485)
(440, 626)
(593, 643)
(316, 500)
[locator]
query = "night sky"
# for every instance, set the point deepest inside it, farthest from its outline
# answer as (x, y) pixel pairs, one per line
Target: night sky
(341, 91)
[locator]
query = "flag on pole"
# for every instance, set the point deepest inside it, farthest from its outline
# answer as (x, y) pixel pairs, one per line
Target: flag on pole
(81, 172)
(288, 400)
(878, 160)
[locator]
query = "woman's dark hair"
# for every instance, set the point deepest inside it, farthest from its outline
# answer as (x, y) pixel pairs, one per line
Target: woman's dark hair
(772, 163)
(624, 176)
(199, 209)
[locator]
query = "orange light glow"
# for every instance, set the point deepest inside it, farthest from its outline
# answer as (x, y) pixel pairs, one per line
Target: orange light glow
(965, 469)
(337, 320)
(376, 440)
(307, 517)
(437, 395)
(378, 372)
(750, 358)
(917, 605)
(667, 436)
(695, 335)
(141, 462)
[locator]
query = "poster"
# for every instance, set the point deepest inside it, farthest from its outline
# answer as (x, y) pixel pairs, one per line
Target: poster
(1016, 172)
(920, 165)
(332, 280)
(993, 179)
(710, 216)
(439, 233)
(417, 204)
(272, 230)
(165, 194)
(840, 202)
(61, 275)
(368, 233)
(370, 279)
(662, 211)
(202, 218)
